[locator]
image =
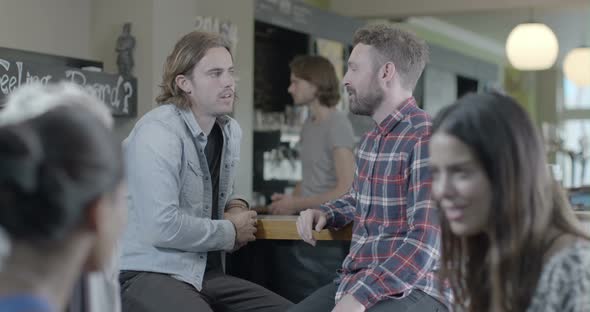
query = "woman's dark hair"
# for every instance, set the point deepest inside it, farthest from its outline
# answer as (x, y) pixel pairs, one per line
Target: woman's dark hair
(51, 168)
(499, 270)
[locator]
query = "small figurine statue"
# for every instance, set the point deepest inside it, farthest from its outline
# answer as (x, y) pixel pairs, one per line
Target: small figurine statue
(125, 46)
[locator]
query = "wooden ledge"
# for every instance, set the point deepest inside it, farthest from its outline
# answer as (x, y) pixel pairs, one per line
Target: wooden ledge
(284, 228)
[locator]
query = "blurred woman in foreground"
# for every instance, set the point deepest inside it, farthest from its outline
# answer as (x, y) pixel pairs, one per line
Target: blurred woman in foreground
(510, 241)
(61, 198)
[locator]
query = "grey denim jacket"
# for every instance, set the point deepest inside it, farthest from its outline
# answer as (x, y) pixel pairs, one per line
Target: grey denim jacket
(169, 226)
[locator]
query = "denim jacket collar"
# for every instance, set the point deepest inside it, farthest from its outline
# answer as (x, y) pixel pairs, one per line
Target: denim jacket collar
(192, 124)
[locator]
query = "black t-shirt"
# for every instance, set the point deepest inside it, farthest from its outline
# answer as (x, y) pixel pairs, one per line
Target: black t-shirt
(213, 151)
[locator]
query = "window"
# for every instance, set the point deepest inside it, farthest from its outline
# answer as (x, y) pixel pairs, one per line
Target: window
(574, 134)
(575, 97)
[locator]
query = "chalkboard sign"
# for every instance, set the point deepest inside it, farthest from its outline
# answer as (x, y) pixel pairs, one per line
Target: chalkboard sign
(118, 92)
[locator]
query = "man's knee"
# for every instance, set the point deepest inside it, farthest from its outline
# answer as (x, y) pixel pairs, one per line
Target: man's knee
(319, 301)
(153, 292)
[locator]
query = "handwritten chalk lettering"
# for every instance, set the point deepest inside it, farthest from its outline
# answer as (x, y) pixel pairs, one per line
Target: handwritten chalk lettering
(128, 94)
(105, 92)
(42, 79)
(9, 82)
(209, 24)
(76, 76)
(4, 78)
(226, 29)
(116, 91)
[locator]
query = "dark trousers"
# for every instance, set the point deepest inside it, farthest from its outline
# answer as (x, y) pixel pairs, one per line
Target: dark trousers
(322, 300)
(154, 292)
(309, 267)
(78, 298)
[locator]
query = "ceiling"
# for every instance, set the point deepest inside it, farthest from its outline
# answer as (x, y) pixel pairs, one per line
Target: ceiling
(492, 20)
(406, 8)
(571, 25)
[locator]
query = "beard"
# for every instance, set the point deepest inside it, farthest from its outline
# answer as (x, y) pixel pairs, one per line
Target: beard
(365, 104)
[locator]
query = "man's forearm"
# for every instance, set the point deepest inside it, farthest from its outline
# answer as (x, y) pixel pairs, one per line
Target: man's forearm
(320, 199)
(236, 205)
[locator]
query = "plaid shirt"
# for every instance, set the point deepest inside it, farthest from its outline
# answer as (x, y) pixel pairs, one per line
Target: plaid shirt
(396, 236)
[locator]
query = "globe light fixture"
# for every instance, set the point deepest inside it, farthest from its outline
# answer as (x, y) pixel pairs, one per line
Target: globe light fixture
(532, 46)
(576, 66)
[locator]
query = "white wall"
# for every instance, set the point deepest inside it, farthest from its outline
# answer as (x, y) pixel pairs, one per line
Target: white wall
(89, 29)
(60, 27)
(157, 25)
(240, 13)
(107, 21)
(174, 18)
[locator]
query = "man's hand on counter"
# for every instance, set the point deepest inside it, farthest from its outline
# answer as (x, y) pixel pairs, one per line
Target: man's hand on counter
(283, 204)
(244, 222)
(309, 220)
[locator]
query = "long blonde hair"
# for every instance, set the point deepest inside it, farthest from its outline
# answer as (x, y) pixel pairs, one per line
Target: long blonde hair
(187, 52)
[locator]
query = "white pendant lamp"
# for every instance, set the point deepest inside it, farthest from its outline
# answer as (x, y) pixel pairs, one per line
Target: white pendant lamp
(576, 66)
(532, 46)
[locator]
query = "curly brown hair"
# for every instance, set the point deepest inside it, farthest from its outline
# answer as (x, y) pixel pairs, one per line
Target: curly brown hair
(187, 52)
(401, 47)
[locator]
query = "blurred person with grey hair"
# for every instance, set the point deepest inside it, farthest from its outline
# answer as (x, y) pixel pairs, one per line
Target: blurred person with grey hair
(35, 99)
(29, 102)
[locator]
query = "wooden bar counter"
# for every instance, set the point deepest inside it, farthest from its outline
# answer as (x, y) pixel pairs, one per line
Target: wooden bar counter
(284, 228)
(273, 227)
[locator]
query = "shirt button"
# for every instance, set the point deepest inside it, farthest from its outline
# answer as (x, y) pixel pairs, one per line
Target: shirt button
(201, 257)
(222, 194)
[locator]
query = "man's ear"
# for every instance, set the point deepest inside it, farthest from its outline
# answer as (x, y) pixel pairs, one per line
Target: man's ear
(183, 83)
(95, 226)
(388, 71)
(94, 214)
(314, 90)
